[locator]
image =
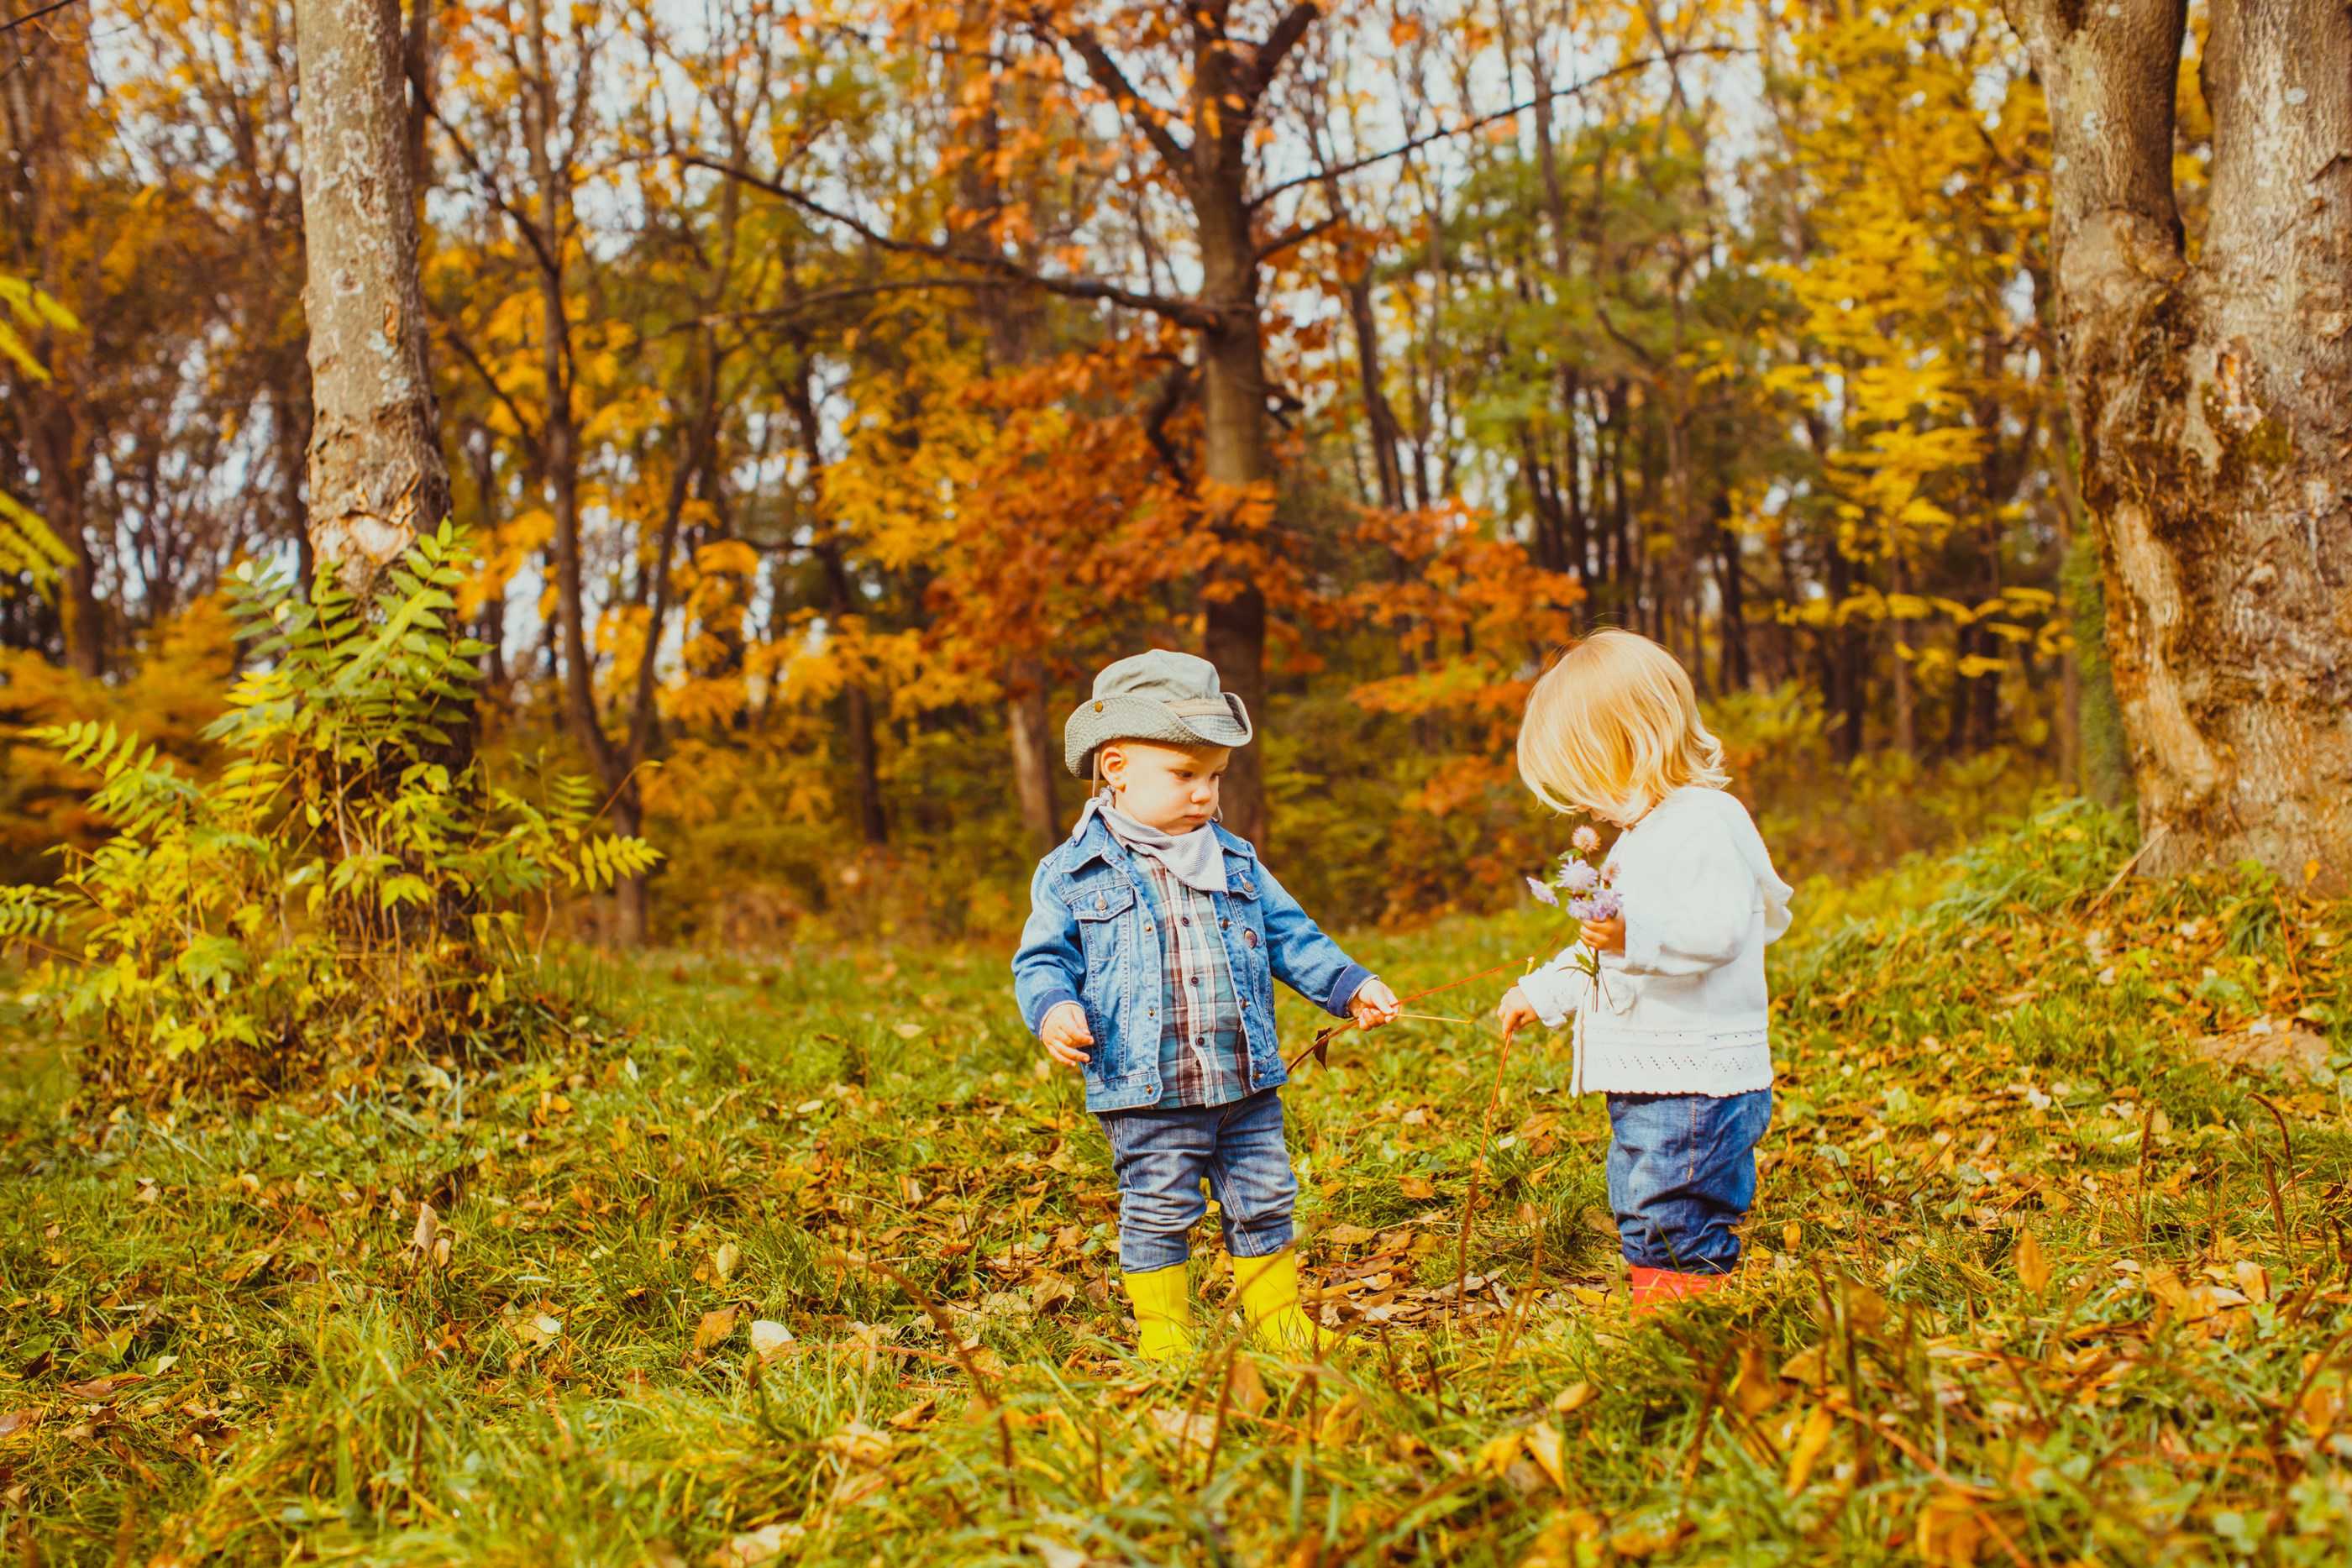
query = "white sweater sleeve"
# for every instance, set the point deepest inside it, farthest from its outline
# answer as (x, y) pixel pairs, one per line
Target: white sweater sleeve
(1690, 910)
(1550, 990)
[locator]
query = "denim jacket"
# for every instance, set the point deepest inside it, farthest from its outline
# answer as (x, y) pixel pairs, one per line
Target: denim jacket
(1093, 938)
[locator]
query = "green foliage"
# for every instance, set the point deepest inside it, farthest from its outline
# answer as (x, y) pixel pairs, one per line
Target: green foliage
(29, 550)
(351, 884)
(2020, 1262)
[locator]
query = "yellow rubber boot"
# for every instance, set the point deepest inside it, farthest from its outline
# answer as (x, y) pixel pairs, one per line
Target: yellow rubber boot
(1164, 1313)
(1267, 1288)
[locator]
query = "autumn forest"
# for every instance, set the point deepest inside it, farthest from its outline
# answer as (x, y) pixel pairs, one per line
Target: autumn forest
(545, 551)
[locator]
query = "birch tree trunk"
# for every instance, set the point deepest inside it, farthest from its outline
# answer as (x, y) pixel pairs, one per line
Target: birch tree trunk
(375, 467)
(2213, 400)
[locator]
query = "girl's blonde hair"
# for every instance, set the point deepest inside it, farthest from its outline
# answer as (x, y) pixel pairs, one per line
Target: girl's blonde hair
(1614, 728)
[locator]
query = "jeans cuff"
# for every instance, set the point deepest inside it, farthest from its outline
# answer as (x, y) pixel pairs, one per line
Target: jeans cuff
(1259, 1240)
(1149, 1254)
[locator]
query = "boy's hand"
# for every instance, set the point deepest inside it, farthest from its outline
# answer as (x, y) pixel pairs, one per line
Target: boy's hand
(1515, 1012)
(1605, 936)
(1374, 1004)
(1066, 1036)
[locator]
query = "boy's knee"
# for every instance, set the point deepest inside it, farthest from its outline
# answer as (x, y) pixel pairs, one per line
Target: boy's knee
(1168, 1210)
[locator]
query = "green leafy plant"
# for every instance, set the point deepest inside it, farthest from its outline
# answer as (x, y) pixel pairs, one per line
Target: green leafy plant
(350, 887)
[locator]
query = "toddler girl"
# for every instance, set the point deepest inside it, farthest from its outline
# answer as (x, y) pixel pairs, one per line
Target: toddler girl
(1674, 1027)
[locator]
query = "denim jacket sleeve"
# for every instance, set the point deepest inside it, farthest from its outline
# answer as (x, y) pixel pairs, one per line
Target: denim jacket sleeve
(1302, 957)
(1049, 966)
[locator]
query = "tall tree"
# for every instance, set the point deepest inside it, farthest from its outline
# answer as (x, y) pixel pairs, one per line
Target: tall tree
(2213, 393)
(376, 469)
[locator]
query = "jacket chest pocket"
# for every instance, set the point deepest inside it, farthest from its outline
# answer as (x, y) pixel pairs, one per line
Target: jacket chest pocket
(1105, 911)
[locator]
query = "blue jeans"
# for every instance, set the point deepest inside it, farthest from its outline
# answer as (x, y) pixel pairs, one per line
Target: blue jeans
(1161, 1154)
(1682, 1173)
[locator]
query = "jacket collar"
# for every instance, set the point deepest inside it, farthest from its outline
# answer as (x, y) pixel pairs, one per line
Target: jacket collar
(1093, 841)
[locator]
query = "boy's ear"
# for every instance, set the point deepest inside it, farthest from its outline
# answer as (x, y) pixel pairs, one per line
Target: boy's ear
(1110, 763)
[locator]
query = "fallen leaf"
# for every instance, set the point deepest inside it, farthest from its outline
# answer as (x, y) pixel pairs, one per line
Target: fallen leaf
(1544, 1447)
(765, 1545)
(1349, 1235)
(2033, 1268)
(1245, 1394)
(769, 1339)
(15, 1421)
(100, 1388)
(1807, 1450)
(1340, 1422)
(918, 1414)
(1574, 1397)
(714, 1329)
(1416, 1188)
(860, 1444)
(1193, 1430)
(722, 1263)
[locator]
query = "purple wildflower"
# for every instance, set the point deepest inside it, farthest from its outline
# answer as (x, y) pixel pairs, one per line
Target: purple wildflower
(1586, 839)
(1542, 889)
(1579, 877)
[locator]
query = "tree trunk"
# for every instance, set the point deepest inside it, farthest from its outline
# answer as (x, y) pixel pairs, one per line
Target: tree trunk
(2213, 400)
(376, 475)
(1030, 718)
(1236, 459)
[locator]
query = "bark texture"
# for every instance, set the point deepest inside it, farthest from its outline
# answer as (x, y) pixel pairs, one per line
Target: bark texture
(2213, 400)
(376, 472)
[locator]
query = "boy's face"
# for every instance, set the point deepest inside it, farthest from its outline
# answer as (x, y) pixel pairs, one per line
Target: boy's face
(1170, 787)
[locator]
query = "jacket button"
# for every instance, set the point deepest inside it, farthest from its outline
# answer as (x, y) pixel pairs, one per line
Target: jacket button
(1099, 901)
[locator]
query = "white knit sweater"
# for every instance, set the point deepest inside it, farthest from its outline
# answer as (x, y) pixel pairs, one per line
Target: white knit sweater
(1683, 1009)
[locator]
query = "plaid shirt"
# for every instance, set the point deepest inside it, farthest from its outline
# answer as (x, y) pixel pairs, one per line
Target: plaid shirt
(1202, 1060)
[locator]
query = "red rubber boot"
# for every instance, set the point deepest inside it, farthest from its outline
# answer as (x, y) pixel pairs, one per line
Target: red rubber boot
(1653, 1288)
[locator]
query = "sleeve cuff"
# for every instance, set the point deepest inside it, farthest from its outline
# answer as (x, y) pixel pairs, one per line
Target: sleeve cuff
(1343, 990)
(1547, 991)
(1047, 1003)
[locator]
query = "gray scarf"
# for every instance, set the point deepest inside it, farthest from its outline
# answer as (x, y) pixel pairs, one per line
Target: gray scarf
(1195, 859)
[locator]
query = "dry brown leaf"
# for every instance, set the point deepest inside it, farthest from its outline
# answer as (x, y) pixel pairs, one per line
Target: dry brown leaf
(1544, 1447)
(1807, 1450)
(722, 1263)
(1754, 1388)
(860, 1444)
(770, 1339)
(1649, 1541)
(1246, 1393)
(97, 1388)
(1193, 1430)
(1574, 1397)
(1340, 1422)
(2033, 1268)
(1349, 1235)
(15, 1421)
(918, 1414)
(713, 1329)
(1416, 1188)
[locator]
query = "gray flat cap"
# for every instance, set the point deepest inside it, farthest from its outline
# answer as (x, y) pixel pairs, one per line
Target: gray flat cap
(1163, 696)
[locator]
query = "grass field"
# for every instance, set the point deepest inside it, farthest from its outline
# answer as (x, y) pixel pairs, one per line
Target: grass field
(810, 1260)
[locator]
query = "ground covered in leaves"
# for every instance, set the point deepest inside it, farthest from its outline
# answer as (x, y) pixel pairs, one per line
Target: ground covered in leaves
(811, 1261)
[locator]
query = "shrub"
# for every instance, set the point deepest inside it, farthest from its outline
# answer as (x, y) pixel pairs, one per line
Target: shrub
(350, 888)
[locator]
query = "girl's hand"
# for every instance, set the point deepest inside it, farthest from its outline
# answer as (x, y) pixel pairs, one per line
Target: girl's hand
(1374, 1004)
(1515, 1012)
(1605, 936)
(1064, 1035)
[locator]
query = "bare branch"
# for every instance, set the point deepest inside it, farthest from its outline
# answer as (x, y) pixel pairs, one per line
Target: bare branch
(1148, 116)
(1630, 68)
(1279, 44)
(1185, 312)
(1296, 236)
